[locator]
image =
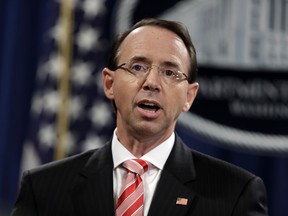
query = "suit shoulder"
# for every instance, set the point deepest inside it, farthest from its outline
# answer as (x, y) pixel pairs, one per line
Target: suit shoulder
(219, 167)
(75, 162)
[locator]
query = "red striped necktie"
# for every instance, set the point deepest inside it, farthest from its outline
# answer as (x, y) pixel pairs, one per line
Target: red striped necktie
(131, 198)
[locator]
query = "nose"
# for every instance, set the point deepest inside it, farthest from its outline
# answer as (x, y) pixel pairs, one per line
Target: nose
(152, 81)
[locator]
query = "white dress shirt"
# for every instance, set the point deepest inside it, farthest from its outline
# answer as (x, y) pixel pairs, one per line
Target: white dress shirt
(156, 156)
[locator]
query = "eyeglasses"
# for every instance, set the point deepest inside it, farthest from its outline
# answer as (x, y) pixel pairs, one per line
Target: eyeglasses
(169, 74)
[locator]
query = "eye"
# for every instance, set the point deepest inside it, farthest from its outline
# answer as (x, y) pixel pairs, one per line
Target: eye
(138, 67)
(168, 72)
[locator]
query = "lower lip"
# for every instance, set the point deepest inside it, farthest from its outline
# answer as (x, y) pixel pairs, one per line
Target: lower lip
(149, 114)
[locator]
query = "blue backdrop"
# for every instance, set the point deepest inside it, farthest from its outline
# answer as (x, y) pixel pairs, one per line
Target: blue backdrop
(23, 47)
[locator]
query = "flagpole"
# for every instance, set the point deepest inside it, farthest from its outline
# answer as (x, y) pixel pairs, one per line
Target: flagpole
(65, 52)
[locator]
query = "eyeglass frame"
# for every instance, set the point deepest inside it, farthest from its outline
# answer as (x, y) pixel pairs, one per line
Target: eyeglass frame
(149, 67)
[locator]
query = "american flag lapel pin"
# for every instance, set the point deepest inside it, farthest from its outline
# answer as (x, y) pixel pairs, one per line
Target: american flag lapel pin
(181, 201)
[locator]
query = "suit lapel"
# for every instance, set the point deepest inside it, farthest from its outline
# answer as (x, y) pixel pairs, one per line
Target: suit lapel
(93, 193)
(177, 175)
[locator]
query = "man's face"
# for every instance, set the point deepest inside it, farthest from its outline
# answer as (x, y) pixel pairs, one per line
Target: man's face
(149, 106)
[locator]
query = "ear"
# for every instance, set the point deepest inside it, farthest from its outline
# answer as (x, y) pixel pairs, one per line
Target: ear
(191, 95)
(108, 79)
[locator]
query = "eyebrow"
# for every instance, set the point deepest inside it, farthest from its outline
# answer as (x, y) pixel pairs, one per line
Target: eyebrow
(147, 60)
(171, 64)
(140, 58)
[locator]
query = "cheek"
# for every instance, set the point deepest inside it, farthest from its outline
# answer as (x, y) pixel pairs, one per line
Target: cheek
(177, 102)
(123, 92)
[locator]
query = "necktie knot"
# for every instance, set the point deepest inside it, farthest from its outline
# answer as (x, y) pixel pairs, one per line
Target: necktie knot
(137, 166)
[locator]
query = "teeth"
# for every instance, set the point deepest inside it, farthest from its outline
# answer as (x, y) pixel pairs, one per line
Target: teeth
(149, 104)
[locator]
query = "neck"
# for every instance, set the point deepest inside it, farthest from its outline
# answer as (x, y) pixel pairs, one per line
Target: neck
(140, 145)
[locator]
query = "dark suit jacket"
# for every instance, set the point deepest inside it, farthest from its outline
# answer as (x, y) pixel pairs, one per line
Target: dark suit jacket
(83, 185)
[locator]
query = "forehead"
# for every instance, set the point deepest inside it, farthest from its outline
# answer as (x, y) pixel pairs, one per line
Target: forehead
(156, 44)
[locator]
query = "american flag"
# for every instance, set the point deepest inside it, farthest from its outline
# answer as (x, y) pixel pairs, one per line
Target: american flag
(181, 201)
(86, 120)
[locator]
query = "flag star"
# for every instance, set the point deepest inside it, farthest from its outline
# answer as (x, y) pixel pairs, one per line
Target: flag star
(51, 101)
(56, 64)
(76, 107)
(37, 104)
(81, 73)
(92, 8)
(47, 136)
(99, 82)
(100, 114)
(57, 31)
(53, 67)
(69, 142)
(87, 38)
(92, 141)
(30, 156)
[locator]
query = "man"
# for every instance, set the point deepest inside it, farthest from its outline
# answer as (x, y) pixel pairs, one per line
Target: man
(151, 79)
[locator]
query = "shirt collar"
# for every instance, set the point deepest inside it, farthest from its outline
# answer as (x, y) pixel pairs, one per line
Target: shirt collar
(156, 156)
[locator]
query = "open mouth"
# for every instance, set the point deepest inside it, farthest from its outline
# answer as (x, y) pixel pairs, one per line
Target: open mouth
(152, 107)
